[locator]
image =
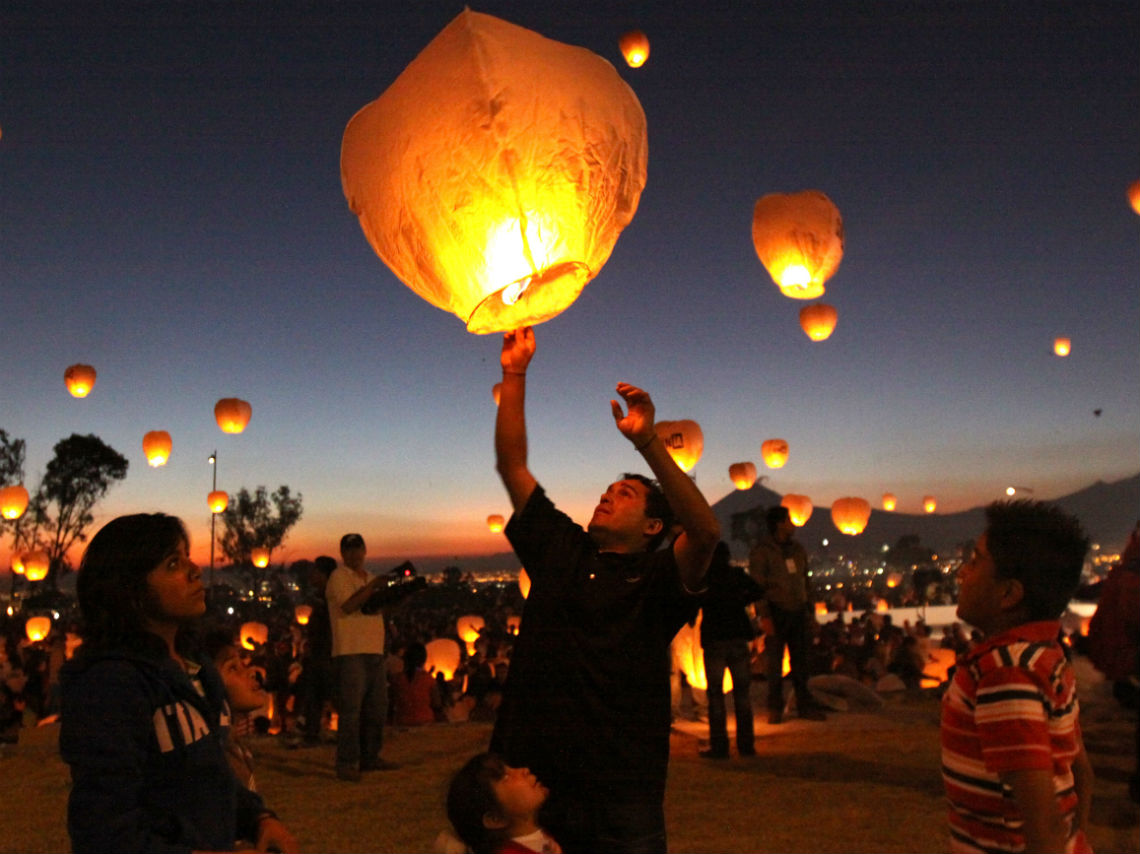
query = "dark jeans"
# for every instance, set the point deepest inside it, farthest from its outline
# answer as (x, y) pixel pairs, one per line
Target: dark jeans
(361, 707)
(791, 631)
(609, 826)
(733, 655)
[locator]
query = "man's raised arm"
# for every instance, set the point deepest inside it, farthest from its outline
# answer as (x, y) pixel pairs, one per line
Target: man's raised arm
(510, 422)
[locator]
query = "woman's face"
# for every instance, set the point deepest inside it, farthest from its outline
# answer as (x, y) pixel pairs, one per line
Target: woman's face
(175, 587)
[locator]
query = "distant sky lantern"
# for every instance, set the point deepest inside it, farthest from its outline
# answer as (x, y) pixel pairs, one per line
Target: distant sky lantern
(218, 501)
(495, 523)
(13, 501)
(821, 609)
(1134, 196)
(683, 440)
(259, 557)
(80, 379)
(635, 48)
(36, 565)
(252, 633)
(467, 627)
(799, 508)
(37, 628)
(743, 475)
(1062, 346)
(818, 320)
(774, 452)
(302, 613)
(799, 240)
(850, 515)
(496, 173)
(442, 657)
(524, 583)
(889, 501)
(157, 446)
(929, 503)
(232, 414)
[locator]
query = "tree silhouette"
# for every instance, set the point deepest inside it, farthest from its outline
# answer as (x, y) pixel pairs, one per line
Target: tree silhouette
(260, 520)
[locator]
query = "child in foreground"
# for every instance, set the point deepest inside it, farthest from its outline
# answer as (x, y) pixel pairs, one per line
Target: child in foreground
(494, 808)
(1013, 763)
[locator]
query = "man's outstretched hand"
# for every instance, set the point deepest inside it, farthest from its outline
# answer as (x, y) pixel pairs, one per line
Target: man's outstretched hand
(636, 425)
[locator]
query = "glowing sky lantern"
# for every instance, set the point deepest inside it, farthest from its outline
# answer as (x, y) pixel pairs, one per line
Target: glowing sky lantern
(302, 613)
(259, 557)
(850, 515)
(18, 564)
(442, 657)
(1134, 196)
(496, 523)
(467, 627)
(37, 628)
(218, 501)
(524, 583)
(799, 240)
(818, 320)
(634, 47)
(774, 452)
(80, 379)
(743, 475)
(929, 503)
(496, 172)
(683, 440)
(1062, 346)
(799, 508)
(821, 609)
(36, 565)
(13, 501)
(232, 414)
(157, 446)
(253, 634)
(890, 502)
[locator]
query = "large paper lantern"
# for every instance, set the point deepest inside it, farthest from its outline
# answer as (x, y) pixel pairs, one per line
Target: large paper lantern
(1134, 196)
(218, 501)
(37, 628)
(774, 452)
(929, 503)
(80, 379)
(818, 320)
(36, 565)
(496, 523)
(683, 440)
(889, 501)
(157, 446)
(253, 634)
(799, 508)
(1062, 346)
(850, 515)
(259, 557)
(799, 240)
(13, 501)
(442, 657)
(495, 174)
(743, 475)
(232, 414)
(467, 627)
(634, 47)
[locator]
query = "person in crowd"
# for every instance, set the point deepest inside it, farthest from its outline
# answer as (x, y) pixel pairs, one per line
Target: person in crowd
(494, 808)
(415, 695)
(143, 724)
(1013, 764)
(12, 705)
(586, 703)
(315, 684)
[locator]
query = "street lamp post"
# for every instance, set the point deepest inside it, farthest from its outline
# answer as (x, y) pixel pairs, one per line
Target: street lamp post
(213, 515)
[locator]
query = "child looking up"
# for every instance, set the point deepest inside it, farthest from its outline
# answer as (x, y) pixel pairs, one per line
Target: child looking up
(494, 808)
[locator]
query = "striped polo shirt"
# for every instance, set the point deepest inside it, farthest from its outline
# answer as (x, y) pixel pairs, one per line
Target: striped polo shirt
(1011, 706)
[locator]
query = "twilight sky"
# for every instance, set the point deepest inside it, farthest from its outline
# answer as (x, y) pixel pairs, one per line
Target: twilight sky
(171, 213)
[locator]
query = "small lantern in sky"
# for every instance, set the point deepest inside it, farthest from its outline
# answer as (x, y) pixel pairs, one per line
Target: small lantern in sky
(232, 414)
(259, 556)
(890, 502)
(37, 628)
(496, 173)
(799, 508)
(157, 446)
(1134, 196)
(80, 379)
(218, 501)
(850, 515)
(36, 565)
(496, 523)
(1062, 346)
(683, 440)
(442, 657)
(929, 503)
(467, 627)
(774, 452)
(302, 613)
(799, 240)
(634, 47)
(253, 634)
(524, 583)
(743, 475)
(13, 501)
(818, 320)
(17, 564)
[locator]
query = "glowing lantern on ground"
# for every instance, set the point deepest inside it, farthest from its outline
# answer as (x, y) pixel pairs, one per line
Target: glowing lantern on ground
(36, 565)
(232, 414)
(524, 583)
(513, 623)
(467, 627)
(495, 174)
(818, 320)
(1062, 346)
(936, 670)
(13, 501)
(302, 613)
(774, 452)
(688, 654)
(496, 390)
(894, 579)
(881, 606)
(799, 508)
(442, 657)
(253, 634)
(37, 628)
(683, 440)
(821, 609)
(495, 523)
(850, 515)
(1134, 196)
(18, 564)
(80, 379)
(157, 446)
(218, 501)
(889, 501)
(259, 557)
(799, 239)
(929, 503)
(743, 475)
(635, 48)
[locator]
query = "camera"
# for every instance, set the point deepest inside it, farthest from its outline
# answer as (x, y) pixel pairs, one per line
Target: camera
(398, 584)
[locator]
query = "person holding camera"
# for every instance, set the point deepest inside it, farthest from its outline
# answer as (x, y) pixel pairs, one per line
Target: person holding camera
(360, 678)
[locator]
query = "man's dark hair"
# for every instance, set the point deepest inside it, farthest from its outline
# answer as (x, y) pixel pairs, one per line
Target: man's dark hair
(1041, 546)
(324, 564)
(774, 517)
(656, 507)
(470, 797)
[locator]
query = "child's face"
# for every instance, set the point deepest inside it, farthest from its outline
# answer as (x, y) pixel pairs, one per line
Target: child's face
(980, 591)
(519, 793)
(243, 689)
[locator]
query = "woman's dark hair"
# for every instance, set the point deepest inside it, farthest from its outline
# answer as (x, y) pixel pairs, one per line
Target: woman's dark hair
(470, 797)
(111, 585)
(415, 657)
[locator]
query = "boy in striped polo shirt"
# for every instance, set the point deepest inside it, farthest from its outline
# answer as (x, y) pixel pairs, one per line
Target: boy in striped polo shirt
(1013, 763)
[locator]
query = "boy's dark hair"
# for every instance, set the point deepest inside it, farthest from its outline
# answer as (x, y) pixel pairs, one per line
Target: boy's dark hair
(656, 507)
(470, 797)
(1041, 546)
(774, 517)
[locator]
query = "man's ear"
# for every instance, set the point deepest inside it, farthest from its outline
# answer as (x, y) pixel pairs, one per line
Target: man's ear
(653, 527)
(1013, 595)
(493, 821)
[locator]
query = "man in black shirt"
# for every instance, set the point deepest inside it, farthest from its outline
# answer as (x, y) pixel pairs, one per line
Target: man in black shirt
(586, 704)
